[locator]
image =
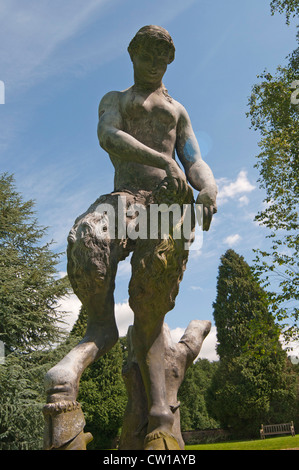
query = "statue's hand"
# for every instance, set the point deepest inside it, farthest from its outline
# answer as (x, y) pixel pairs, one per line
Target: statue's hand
(174, 188)
(207, 197)
(176, 177)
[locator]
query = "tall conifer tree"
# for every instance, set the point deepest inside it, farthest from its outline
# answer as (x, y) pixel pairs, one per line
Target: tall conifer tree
(241, 311)
(29, 284)
(254, 382)
(30, 290)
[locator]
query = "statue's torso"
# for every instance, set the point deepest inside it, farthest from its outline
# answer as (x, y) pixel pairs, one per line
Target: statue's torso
(152, 120)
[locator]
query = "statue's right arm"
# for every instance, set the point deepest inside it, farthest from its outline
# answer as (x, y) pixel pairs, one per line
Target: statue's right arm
(119, 143)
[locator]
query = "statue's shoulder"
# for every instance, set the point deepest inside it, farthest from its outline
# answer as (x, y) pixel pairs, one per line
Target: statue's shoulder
(110, 99)
(182, 114)
(114, 99)
(179, 107)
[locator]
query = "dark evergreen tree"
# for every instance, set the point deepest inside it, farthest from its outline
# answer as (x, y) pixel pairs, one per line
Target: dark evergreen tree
(29, 285)
(30, 290)
(241, 311)
(192, 396)
(22, 396)
(254, 382)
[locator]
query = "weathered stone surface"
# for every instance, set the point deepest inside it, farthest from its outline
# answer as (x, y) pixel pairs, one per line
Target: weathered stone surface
(178, 357)
(64, 423)
(141, 129)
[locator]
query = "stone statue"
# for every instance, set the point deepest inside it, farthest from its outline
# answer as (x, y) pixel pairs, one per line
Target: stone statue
(140, 128)
(177, 357)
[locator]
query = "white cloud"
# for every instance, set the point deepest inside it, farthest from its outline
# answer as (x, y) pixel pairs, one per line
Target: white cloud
(195, 254)
(124, 317)
(243, 201)
(232, 239)
(230, 189)
(208, 350)
(124, 268)
(292, 347)
(38, 37)
(71, 305)
(176, 334)
(31, 33)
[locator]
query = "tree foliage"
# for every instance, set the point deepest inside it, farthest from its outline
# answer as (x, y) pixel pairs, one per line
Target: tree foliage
(29, 299)
(20, 412)
(192, 395)
(254, 382)
(102, 394)
(246, 392)
(241, 311)
(22, 396)
(29, 288)
(274, 114)
(289, 7)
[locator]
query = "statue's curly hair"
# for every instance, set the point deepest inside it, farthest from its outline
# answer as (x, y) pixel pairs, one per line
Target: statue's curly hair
(152, 32)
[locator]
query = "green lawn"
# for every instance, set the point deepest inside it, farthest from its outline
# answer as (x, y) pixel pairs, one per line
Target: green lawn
(270, 443)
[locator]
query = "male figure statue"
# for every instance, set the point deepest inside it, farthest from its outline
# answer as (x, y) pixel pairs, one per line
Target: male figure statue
(140, 128)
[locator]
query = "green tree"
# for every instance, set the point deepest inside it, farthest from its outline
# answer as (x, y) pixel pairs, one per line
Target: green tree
(246, 392)
(254, 382)
(241, 310)
(29, 317)
(290, 7)
(22, 396)
(29, 286)
(274, 114)
(192, 395)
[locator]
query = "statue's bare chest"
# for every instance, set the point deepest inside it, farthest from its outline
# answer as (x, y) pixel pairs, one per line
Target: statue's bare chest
(149, 117)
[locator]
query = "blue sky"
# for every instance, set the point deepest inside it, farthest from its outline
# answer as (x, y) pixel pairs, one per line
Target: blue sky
(59, 58)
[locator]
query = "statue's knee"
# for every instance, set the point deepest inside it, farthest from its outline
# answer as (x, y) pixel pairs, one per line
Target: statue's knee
(105, 339)
(153, 297)
(61, 383)
(64, 419)
(113, 338)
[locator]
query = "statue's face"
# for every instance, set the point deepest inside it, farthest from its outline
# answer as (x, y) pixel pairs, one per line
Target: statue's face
(150, 63)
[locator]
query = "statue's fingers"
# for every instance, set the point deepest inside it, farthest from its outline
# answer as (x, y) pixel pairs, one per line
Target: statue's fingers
(207, 217)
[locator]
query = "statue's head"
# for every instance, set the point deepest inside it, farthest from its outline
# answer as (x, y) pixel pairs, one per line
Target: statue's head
(152, 37)
(151, 50)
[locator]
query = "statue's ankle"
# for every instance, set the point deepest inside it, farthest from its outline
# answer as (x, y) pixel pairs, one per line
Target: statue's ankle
(64, 424)
(160, 417)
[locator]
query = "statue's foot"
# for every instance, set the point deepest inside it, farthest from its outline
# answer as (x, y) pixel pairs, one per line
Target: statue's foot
(160, 440)
(64, 424)
(79, 443)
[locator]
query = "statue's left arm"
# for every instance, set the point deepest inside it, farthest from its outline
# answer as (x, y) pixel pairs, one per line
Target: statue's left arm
(197, 171)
